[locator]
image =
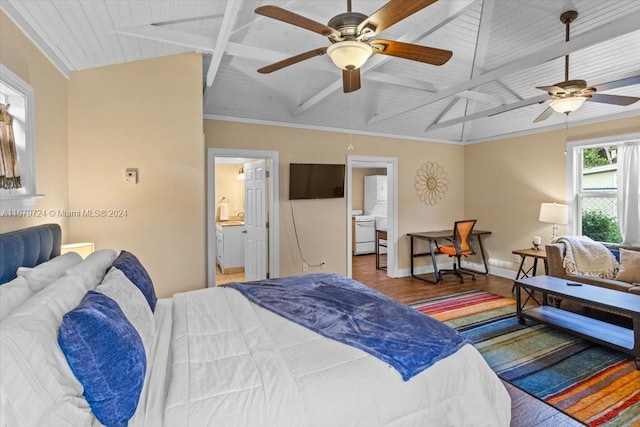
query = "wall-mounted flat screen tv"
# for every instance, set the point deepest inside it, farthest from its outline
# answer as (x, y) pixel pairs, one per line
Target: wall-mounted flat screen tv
(315, 181)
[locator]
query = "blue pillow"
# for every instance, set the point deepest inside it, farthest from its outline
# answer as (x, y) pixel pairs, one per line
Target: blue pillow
(133, 269)
(106, 355)
(616, 253)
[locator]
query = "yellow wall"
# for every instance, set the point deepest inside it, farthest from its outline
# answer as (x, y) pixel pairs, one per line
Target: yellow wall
(19, 55)
(145, 115)
(506, 181)
(228, 185)
(321, 224)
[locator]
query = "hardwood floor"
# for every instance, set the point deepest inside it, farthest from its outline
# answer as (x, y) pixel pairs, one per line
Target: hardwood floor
(526, 410)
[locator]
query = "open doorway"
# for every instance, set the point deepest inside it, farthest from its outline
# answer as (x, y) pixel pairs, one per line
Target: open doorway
(370, 220)
(242, 215)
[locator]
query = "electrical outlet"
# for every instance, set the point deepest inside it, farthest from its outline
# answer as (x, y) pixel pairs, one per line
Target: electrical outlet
(323, 265)
(305, 266)
(516, 258)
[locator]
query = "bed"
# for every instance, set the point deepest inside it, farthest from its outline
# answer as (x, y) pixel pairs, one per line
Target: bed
(89, 344)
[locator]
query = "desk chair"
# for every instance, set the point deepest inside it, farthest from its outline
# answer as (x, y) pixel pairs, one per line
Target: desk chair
(460, 246)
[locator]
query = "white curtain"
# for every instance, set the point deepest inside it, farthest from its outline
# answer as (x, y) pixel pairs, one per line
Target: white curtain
(629, 192)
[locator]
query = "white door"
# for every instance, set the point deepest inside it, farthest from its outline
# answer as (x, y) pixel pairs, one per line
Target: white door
(255, 220)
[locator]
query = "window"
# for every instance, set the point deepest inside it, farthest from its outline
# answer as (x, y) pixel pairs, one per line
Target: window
(594, 182)
(19, 95)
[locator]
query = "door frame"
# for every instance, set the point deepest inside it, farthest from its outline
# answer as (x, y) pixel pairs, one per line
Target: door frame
(273, 187)
(391, 163)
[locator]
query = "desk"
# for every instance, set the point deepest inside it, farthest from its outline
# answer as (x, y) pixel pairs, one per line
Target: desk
(531, 271)
(432, 237)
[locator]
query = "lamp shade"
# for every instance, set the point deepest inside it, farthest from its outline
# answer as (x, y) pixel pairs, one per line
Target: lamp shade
(567, 104)
(554, 213)
(82, 249)
(349, 54)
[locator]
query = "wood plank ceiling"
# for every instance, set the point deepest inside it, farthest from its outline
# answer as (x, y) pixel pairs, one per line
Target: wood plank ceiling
(502, 50)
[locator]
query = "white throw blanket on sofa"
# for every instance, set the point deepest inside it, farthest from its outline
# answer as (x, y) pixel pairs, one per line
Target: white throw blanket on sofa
(587, 257)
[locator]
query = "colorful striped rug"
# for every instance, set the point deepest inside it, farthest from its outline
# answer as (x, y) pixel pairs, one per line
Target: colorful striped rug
(594, 384)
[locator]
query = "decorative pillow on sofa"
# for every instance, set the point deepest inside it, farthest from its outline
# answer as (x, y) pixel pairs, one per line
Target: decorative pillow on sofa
(133, 269)
(629, 266)
(107, 356)
(41, 275)
(13, 294)
(132, 303)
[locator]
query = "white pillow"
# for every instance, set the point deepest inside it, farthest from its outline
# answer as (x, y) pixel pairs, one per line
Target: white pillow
(41, 275)
(38, 384)
(92, 270)
(132, 303)
(13, 294)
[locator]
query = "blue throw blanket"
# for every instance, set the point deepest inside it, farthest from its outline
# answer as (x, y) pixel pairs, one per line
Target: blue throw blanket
(349, 312)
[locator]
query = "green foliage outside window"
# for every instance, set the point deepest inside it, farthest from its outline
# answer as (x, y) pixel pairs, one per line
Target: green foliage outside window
(598, 156)
(600, 227)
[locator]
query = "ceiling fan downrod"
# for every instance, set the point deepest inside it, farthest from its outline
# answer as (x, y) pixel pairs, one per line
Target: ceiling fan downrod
(567, 18)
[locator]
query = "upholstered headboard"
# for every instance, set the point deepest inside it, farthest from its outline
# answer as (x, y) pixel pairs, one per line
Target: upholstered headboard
(27, 248)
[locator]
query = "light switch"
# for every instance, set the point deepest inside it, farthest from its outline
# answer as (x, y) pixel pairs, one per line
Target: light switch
(131, 176)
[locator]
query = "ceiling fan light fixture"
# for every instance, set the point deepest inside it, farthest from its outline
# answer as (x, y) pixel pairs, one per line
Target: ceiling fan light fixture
(349, 54)
(567, 104)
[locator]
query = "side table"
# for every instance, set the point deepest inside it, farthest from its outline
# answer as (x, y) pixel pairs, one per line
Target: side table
(531, 271)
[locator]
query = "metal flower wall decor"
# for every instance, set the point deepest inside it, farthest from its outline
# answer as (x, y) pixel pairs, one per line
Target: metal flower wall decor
(431, 183)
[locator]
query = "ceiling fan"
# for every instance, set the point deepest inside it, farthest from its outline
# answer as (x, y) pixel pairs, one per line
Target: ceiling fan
(351, 34)
(569, 95)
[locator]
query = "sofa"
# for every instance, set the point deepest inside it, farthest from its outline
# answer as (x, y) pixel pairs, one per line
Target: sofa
(555, 264)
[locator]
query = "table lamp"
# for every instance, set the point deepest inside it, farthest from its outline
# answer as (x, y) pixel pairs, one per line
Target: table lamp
(555, 214)
(83, 249)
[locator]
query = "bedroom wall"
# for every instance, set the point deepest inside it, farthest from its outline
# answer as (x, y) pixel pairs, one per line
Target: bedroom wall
(145, 115)
(50, 86)
(321, 224)
(506, 181)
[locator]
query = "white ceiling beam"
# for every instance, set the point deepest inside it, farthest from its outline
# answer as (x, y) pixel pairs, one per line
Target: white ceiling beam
(392, 79)
(55, 55)
(165, 35)
(444, 111)
(229, 18)
(489, 112)
(480, 55)
(267, 55)
(446, 12)
(519, 104)
(605, 32)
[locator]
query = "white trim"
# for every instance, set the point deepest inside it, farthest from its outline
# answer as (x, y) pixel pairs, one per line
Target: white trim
(26, 198)
(573, 166)
(272, 158)
(33, 36)
(391, 163)
(594, 120)
(324, 129)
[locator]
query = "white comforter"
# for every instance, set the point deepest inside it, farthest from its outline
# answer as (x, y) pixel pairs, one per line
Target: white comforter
(233, 363)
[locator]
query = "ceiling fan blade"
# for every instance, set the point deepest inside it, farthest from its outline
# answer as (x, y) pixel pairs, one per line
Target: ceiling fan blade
(618, 83)
(556, 90)
(414, 52)
(613, 99)
(292, 60)
(350, 80)
(544, 116)
(283, 15)
(392, 12)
